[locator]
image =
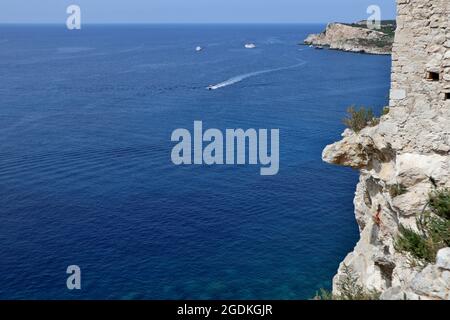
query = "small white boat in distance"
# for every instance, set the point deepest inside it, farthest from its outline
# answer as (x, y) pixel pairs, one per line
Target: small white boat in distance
(198, 49)
(250, 46)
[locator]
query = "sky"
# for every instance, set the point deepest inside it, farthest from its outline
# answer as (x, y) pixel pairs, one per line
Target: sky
(193, 11)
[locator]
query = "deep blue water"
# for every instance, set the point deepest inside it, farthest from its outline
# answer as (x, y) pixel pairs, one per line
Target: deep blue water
(86, 176)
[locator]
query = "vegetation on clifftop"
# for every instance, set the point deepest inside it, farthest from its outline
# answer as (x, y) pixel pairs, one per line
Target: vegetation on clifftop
(387, 26)
(357, 120)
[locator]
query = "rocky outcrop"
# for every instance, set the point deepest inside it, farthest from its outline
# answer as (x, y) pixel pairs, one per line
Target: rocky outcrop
(432, 283)
(354, 38)
(410, 147)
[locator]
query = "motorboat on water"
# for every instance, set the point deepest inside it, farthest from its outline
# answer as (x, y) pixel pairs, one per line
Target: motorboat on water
(198, 49)
(250, 46)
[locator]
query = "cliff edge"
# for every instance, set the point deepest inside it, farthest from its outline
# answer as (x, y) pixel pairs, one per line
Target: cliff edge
(410, 147)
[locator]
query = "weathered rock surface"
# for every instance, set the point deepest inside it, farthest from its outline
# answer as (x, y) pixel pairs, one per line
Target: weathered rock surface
(443, 259)
(410, 147)
(352, 38)
(432, 283)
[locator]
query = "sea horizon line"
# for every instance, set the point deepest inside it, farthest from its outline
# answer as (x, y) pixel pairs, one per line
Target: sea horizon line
(166, 23)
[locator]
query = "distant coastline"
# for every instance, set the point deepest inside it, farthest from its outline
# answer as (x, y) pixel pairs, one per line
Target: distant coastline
(355, 37)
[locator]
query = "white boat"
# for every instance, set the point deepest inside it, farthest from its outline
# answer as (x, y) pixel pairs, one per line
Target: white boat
(198, 49)
(250, 46)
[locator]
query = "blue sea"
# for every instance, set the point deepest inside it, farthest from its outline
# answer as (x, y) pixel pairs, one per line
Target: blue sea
(86, 176)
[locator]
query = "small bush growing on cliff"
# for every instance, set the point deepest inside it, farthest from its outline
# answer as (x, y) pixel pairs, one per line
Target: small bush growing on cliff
(434, 230)
(357, 120)
(413, 243)
(349, 288)
(348, 285)
(397, 190)
(440, 203)
(438, 233)
(324, 294)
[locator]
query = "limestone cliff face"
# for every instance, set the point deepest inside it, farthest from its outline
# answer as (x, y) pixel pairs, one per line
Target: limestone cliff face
(411, 147)
(352, 38)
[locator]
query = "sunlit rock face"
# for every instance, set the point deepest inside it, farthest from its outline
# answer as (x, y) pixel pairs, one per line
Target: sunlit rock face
(410, 147)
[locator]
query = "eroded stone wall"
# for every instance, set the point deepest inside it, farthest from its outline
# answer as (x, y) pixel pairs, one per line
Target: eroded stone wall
(422, 44)
(410, 147)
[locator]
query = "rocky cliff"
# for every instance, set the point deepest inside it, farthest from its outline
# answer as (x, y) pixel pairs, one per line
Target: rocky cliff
(354, 38)
(410, 147)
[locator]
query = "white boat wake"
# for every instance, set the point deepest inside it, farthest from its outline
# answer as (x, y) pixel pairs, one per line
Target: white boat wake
(242, 77)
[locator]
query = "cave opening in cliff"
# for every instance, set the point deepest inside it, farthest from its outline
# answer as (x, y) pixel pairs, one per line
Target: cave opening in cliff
(447, 96)
(432, 76)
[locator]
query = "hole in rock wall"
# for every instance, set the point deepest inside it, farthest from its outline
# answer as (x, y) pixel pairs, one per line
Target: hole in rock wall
(432, 76)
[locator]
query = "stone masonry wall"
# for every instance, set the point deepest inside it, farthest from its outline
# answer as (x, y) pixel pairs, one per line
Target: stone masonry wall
(421, 45)
(410, 147)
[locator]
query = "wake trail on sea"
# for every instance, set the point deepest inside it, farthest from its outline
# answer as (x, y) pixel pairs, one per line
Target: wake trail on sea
(242, 77)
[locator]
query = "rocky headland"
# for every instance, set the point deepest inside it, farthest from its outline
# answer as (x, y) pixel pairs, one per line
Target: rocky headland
(356, 37)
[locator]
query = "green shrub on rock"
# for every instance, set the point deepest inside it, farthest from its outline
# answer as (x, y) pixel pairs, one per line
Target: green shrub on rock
(434, 230)
(349, 288)
(397, 190)
(440, 203)
(357, 120)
